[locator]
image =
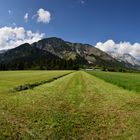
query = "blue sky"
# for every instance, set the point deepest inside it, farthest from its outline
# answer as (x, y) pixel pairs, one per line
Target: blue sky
(86, 21)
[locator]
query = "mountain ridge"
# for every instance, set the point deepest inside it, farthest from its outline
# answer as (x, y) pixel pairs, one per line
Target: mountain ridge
(46, 52)
(127, 58)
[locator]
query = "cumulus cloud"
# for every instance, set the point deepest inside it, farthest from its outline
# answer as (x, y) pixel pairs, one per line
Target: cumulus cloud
(26, 17)
(43, 16)
(13, 37)
(122, 47)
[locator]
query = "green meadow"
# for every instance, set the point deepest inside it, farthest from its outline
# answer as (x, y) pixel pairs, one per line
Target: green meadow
(129, 81)
(75, 105)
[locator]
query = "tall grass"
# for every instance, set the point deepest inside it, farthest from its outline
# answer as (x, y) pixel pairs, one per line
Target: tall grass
(129, 81)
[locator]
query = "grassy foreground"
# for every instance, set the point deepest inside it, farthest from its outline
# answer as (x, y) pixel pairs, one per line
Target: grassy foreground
(129, 81)
(75, 107)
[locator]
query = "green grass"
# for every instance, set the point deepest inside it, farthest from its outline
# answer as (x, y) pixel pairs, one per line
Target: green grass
(129, 81)
(78, 106)
(11, 79)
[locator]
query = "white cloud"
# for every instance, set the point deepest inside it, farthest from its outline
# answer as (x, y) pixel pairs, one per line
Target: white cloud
(26, 17)
(122, 47)
(43, 16)
(13, 37)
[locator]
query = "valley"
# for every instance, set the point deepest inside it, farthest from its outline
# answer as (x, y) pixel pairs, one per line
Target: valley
(69, 70)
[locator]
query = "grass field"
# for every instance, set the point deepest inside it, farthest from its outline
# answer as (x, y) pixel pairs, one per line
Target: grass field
(129, 81)
(78, 106)
(11, 79)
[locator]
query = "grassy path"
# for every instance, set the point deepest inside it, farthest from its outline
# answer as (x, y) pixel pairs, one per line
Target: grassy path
(75, 107)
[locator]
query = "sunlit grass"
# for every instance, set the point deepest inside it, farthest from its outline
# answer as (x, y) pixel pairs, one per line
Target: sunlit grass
(129, 81)
(75, 107)
(11, 79)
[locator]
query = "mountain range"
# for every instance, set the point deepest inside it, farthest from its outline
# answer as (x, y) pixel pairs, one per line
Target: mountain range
(55, 53)
(126, 58)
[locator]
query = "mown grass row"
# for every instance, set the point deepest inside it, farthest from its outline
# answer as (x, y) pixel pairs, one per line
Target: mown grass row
(129, 81)
(33, 85)
(11, 79)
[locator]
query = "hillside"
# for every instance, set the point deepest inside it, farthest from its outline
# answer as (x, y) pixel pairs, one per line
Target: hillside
(90, 55)
(126, 58)
(28, 57)
(55, 53)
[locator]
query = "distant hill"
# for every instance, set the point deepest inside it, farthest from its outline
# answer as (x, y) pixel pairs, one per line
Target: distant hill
(30, 57)
(55, 53)
(128, 59)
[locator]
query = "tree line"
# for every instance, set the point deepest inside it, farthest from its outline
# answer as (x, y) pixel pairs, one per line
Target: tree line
(50, 64)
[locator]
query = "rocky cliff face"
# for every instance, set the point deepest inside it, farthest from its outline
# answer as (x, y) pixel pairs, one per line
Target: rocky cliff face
(126, 58)
(68, 50)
